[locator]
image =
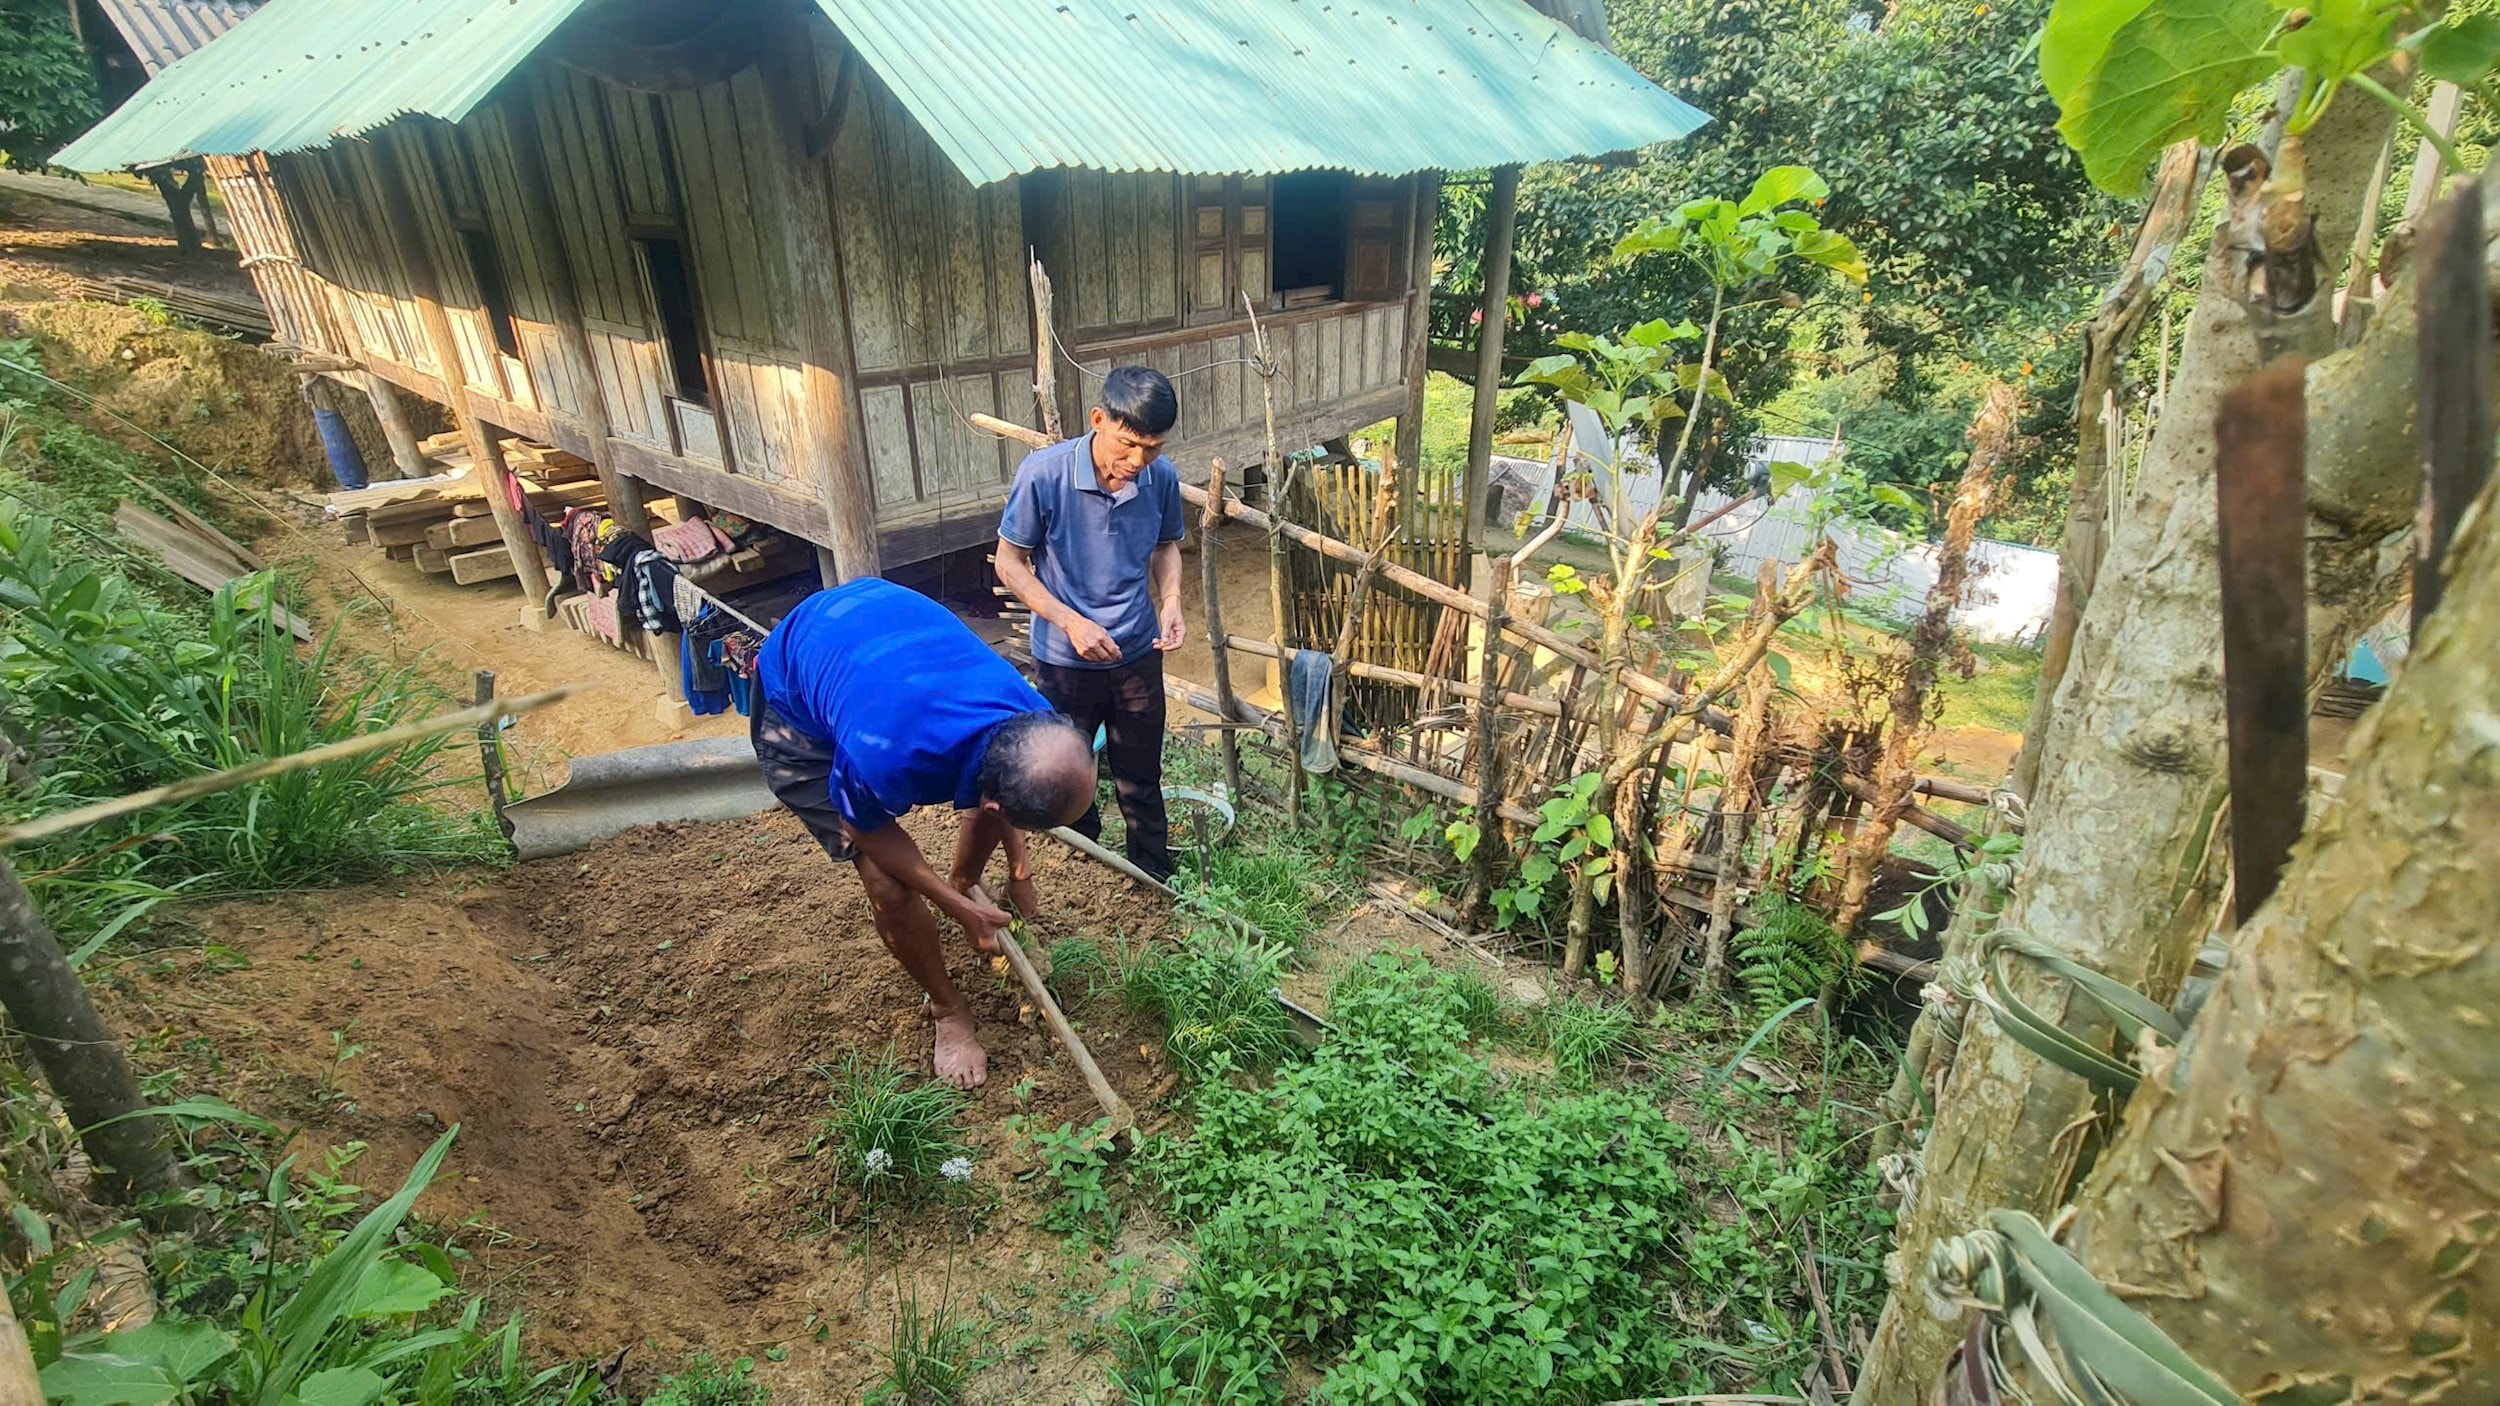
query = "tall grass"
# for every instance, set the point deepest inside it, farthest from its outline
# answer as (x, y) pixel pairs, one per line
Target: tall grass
(103, 693)
(886, 1132)
(1212, 996)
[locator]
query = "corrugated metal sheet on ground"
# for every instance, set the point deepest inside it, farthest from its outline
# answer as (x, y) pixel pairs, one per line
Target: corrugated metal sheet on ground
(297, 73)
(162, 31)
(1377, 87)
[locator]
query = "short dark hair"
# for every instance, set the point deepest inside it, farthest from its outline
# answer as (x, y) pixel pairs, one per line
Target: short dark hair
(1031, 795)
(1141, 398)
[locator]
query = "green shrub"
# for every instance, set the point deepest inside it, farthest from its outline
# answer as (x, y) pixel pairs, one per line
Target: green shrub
(1427, 1232)
(110, 693)
(888, 1132)
(1077, 1165)
(1212, 995)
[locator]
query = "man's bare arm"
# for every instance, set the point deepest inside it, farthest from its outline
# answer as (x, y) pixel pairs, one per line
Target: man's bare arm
(1163, 570)
(891, 848)
(1016, 573)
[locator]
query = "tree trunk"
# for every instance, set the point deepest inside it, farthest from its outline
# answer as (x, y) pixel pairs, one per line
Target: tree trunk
(83, 1062)
(2302, 1197)
(177, 208)
(2119, 872)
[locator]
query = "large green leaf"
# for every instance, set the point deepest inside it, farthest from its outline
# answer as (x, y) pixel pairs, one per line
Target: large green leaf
(393, 1287)
(2464, 51)
(137, 1366)
(1778, 186)
(341, 1386)
(2132, 76)
(329, 1292)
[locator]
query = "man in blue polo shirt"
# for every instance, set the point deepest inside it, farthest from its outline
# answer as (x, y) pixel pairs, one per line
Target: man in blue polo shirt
(876, 700)
(1091, 542)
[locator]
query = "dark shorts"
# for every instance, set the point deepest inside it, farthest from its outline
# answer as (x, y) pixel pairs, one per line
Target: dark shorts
(798, 770)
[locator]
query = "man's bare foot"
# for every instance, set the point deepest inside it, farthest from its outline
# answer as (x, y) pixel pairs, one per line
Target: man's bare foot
(960, 1059)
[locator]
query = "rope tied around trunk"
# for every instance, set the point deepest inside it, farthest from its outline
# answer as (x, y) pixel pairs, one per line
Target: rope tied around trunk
(2082, 1340)
(1984, 978)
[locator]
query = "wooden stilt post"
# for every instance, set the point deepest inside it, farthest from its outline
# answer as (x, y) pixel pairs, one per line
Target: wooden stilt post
(1212, 523)
(829, 436)
(406, 457)
(1501, 229)
(425, 290)
(1424, 214)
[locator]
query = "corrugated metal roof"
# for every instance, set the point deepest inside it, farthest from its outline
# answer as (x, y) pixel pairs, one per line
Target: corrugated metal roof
(297, 73)
(161, 31)
(1378, 87)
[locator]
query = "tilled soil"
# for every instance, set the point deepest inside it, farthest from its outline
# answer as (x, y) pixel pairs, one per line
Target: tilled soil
(628, 1039)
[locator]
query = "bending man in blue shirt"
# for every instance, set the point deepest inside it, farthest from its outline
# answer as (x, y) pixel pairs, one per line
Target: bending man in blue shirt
(876, 700)
(1091, 541)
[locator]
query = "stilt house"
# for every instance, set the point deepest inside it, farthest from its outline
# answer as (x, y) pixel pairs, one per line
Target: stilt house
(767, 255)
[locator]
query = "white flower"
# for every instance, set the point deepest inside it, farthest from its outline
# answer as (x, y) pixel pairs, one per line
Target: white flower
(956, 1169)
(879, 1161)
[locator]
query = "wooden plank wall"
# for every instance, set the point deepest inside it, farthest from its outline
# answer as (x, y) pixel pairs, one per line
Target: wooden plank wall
(338, 221)
(733, 173)
(301, 303)
(1327, 357)
(603, 160)
(940, 311)
(528, 268)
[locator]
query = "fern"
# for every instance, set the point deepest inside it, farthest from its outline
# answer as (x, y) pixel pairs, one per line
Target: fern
(1789, 952)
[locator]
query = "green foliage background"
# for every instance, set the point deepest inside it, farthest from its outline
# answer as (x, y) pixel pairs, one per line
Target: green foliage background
(47, 89)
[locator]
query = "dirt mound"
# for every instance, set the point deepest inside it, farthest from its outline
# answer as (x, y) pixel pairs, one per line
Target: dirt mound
(627, 1037)
(216, 399)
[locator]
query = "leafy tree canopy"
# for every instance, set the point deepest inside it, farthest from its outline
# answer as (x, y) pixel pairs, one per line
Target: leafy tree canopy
(47, 89)
(1930, 122)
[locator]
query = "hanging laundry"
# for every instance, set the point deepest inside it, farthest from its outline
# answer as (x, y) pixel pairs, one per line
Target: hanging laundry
(600, 613)
(647, 581)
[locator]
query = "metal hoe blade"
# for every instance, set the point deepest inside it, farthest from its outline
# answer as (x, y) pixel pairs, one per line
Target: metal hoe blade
(2260, 434)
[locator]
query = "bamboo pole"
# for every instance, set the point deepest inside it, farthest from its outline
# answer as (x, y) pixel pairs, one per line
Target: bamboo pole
(1408, 678)
(194, 787)
(1502, 220)
(1208, 576)
(1375, 762)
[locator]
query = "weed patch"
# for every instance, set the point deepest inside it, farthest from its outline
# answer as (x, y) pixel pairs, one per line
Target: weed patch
(1212, 996)
(887, 1133)
(1428, 1232)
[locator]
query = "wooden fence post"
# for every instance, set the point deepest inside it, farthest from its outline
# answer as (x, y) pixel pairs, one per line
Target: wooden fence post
(1488, 742)
(1213, 521)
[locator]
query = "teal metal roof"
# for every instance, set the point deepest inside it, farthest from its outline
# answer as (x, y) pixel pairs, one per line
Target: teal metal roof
(297, 73)
(1377, 87)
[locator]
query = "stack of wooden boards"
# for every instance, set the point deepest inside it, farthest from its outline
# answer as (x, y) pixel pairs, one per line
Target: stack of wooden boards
(443, 525)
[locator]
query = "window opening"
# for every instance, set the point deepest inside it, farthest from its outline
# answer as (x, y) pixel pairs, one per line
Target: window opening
(492, 290)
(1311, 237)
(664, 271)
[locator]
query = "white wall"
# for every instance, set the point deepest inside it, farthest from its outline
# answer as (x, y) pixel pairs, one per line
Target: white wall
(2008, 597)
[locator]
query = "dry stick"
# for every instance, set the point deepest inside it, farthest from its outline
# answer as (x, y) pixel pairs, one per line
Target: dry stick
(1279, 483)
(1487, 741)
(1045, 364)
(194, 787)
(1736, 798)
(1207, 574)
(1123, 1122)
(1992, 436)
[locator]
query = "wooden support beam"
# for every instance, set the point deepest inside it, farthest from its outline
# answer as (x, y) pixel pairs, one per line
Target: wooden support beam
(1207, 579)
(830, 437)
(396, 428)
(1423, 214)
(391, 173)
(1501, 230)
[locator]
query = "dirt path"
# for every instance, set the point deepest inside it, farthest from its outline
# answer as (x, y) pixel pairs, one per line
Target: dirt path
(626, 1039)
